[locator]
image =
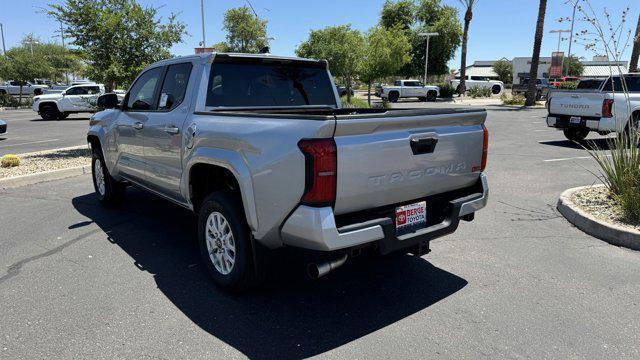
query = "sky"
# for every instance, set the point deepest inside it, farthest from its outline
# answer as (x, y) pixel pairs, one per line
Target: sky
(499, 29)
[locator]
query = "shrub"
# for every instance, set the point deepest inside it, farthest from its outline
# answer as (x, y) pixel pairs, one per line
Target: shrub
(7, 100)
(355, 102)
(517, 99)
(568, 85)
(479, 92)
(446, 90)
(9, 160)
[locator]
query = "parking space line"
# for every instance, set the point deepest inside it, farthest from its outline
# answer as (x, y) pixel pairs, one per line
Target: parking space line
(28, 143)
(571, 158)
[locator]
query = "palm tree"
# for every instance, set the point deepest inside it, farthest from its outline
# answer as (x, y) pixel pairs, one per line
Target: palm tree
(468, 4)
(633, 65)
(535, 59)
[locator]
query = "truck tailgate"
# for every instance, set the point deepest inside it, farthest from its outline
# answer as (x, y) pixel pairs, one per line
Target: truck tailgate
(402, 155)
(577, 103)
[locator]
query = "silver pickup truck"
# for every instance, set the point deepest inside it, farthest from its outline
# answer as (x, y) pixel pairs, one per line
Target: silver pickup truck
(259, 147)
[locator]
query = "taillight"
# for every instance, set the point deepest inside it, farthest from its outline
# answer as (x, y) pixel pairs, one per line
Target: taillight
(607, 108)
(485, 147)
(321, 171)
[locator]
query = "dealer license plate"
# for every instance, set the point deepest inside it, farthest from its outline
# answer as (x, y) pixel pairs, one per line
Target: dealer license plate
(575, 120)
(411, 217)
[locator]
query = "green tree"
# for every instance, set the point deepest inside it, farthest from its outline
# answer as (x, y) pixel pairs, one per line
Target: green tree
(385, 51)
(246, 33)
(20, 65)
(573, 66)
(468, 15)
(401, 13)
(427, 16)
(341, 46)
(504, 70)
(118, 38)
(535, 58)
(221, 47)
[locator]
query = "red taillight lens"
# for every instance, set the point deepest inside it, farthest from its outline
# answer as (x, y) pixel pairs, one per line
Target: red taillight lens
(607, 108)
(321, 171)
(485, 147)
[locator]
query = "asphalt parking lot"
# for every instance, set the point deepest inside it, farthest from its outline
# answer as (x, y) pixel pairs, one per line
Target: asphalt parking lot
(27, 132)
(81, 281)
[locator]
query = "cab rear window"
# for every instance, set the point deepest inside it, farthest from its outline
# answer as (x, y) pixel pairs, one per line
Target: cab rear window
(633, 84)
(250, 83)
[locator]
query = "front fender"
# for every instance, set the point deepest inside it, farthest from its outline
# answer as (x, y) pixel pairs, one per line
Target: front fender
(233, 162)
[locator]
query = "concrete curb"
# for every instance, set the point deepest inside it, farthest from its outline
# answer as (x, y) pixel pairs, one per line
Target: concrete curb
(30, 179)
(611, 233)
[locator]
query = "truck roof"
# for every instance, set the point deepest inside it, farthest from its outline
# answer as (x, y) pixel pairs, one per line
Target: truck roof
(208, 58)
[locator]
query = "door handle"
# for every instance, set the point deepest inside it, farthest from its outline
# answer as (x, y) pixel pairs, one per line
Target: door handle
(138, 125)
(423, 146)
(172, 129)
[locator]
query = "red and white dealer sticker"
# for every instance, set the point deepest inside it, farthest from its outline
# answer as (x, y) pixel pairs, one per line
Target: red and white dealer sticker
(411, 216)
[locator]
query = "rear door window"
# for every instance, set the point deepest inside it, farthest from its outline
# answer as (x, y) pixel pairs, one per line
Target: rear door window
(174, 86)
(250, 83)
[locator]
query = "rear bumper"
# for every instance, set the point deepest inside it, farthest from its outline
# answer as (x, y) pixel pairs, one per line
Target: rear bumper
(316, 229)
(564, 122)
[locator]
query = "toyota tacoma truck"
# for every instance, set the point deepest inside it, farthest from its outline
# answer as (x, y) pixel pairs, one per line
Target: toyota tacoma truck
(260, 149)
(73, 100)
(409, 89)
(496, 86)
(604, 110)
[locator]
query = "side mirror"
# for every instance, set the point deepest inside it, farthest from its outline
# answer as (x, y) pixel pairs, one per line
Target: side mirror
(108, 101)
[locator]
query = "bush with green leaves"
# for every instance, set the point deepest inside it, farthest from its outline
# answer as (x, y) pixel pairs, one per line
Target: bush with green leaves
(479, 92)
(354, 103)
(7, 100)
(517, 99)
(568, 85)
(446, 90)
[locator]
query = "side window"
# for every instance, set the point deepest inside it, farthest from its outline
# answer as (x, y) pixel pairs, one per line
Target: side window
(142, 95)
(79, 90)
(174, 86)
(633, 83)
(93, 90)
(397, 83)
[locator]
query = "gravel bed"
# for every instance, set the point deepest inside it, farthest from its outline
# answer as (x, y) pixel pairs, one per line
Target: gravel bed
(598, 202)
(48, 160)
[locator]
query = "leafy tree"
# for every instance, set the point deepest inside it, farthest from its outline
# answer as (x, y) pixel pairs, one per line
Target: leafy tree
(385, 52)
(246, 33)
(401, 13)
(20, 65)
(428, 16)
(468, 15)
(573, 66)
(504, 70)
(535, 59)
(341, 46)
(221, 47)
(118, 38)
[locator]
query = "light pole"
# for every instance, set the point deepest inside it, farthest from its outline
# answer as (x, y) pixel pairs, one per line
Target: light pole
(573, 20)
(426, 53)
(4, 49)
(204, 43)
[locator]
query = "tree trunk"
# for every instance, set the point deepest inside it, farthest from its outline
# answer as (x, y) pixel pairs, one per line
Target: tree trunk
(535, 59)
(633, 64)
(369, 93)
(348, 83)
(463, 58)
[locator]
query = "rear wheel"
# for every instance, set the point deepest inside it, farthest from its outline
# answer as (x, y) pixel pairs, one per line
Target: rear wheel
(394, 96)
(108, 190)
(225, 241)
(495, 90)
(423, 99)
(432, 96)
(63, 115)
(576, 135)
(49, 112)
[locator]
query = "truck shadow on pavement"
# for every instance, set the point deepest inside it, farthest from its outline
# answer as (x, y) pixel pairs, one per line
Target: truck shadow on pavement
(290, 316)
(600, 144)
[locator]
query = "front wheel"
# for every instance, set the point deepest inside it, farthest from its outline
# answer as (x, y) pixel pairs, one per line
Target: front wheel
(108, 190)
(49, 112)
(495, 90)
(576, 135)
(393, 97)
(225, 242)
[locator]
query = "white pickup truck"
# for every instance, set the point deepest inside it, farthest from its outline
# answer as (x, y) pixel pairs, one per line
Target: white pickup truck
(13, 88)
(409, 89)
(479, 82)
(604, 110)
(75, 99)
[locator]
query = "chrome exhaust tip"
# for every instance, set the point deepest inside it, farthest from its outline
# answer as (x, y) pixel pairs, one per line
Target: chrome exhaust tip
(317, 271)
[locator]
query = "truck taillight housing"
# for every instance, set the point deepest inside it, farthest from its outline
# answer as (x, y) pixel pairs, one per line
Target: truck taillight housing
(321, 171)
(485, 147)
(607, 108)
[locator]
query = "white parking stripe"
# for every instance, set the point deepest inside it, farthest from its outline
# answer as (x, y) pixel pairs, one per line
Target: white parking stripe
(29, 143)
(571, 158)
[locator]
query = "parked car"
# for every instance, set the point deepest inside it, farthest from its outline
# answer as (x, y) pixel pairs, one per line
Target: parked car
(13, 88)
(403, 89)
(75, 99)
(3, 128)
(342, 91)
(496, 86)
(542, 88)
(268, 161)
(604, 110)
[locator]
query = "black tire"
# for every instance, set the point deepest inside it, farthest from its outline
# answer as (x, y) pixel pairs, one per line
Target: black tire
(49, 112)
(63, 115)
(3, 92)
(112, 192)
(432, 96)
(576, 135)
(422, 99)
(394, 96)
(495, 90)
(241, 274)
